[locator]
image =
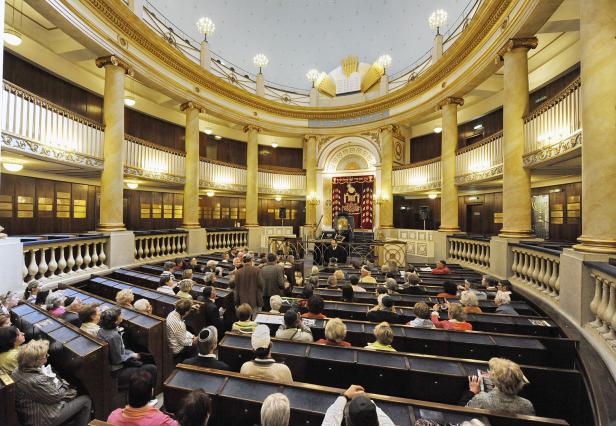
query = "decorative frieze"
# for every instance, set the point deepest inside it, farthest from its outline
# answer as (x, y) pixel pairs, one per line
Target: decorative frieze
(552, 151)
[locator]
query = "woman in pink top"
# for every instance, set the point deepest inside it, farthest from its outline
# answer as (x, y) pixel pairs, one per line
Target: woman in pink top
(456, 321)
(138, 412)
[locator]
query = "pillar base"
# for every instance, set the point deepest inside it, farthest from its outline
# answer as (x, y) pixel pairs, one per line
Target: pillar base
(515, 233)
(121, 248)
(449, 230)
(11, 263)
(196, 241)
(190, 226)
(254, 237)
(593, 245)
(111, 227)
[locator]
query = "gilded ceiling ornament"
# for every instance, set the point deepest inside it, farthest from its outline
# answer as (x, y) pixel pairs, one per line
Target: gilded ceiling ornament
(349, 65)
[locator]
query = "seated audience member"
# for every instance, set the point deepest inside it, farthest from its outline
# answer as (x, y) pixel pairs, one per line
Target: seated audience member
(264, 366)
(124, 362)
(275, 304)
(7, 301)
(125, 298)
(194, 265)
(195, 410)
(211, 310)
(181, 341)
(143, 306)
(508, 381)
(178, 264)
(314, 281)
(244, 324)
(470, 303)
(139, 412)
(366, 276)
(335, 332)
(504, 286)
(355, 284)
(212, 266)
(275, 410)
(42, 399)
(31, 291)
(355, 408)
(503, 306)
(450, 290)
(474, 286)
(412, 285)
(167, 284)
(5, 320)
(11, 338)
(167, 269)
(348, 294)
(207, 341)
(457, 318)
(299, 279)
(41, 297)
(441, 268)
(384, 312)
(315, 308)
(385, 269)
(410, 271)
(225, 257)
(488, 283)
(55, 303)
(339, 276)
(293, 328)
(90, 316)
(72, 306)
(332, 281)
(393, 267)
(307, 292)
(391, 285)
(314, 271)
(185, 286)
(384, 336)
(422, 316)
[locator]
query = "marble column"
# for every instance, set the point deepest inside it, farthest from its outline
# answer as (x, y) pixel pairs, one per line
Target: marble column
(386, 208)
(310, 153)
(598, 105)
(252, 175)
(190, 214)
(449, 144)
(517, 210)
(112, 178)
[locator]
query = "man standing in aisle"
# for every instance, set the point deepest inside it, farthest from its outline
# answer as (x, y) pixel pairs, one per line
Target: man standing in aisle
(248, 285)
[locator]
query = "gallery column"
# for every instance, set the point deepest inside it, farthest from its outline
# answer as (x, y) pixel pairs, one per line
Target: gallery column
(517, 210)
(252, 175)
(310, 153)
(190, 214)
(386, 209)
(449, 143)
(112, 178)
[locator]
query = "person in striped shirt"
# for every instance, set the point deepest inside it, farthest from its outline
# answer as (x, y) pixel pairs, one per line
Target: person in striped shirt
(181, 341)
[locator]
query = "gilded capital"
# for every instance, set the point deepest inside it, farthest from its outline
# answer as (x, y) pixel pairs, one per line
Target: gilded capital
(516, 43)
(450, 100)
(308, 137)
(390, 128)
(115, 61)
(192, 105)
(251, 127)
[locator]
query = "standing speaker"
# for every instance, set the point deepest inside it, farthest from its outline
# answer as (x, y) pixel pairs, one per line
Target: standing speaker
(282, 212)
(424, 212)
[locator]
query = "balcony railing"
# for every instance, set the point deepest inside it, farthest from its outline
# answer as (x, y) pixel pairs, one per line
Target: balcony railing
(537, 268)
(41, 128)
(480, 161)
(147, 160)
(603, 304)
(218, 239)
(417, 177)
(555, 127)
(470, 252)
(160, 244)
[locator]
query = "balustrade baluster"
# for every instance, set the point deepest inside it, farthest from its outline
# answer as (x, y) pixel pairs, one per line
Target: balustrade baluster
(596, 300)
(42, 266)
(79, 258)
(95, 257)
(525, 265)
(514, 264)
(603, 306)
(610, 311)
(62, 262)
(157, 249)
(33, 267)
(53, 264)
(146, 247)
(557, 283)
(554, 279)
(139, 243)
(183, 238)
(70, 263)
(544, 288)
(136, 249)
(102, 256)
(173, 244)
(87, 259)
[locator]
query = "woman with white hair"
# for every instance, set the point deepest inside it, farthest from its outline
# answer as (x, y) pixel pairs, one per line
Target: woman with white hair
(469, 301)
(503, 307)
(275, 410)
(55, 303)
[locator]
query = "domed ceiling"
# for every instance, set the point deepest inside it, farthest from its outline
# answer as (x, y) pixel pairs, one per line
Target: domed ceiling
(299, 35)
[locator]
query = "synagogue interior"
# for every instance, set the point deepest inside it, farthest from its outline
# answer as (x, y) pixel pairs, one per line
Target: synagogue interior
(328, 212)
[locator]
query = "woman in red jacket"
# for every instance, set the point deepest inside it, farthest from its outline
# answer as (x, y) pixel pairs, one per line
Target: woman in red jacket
(456, 321)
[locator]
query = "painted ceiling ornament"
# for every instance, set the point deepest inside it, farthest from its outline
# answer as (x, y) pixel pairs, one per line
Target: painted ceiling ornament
(349, 65)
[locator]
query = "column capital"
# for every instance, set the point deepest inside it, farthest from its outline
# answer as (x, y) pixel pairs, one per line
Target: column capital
(192, 105)
(315, 137)
(251, 127)
(115, 61)
(450, 100)
(516, 43)
(391, 128)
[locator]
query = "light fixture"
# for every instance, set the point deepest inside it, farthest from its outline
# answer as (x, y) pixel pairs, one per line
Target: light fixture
(432, 196)
(208, 131)
(205, 26)
(437, 20)
(132, 185)
(473, 198)
(261, 61)
(312, 75)
(278, 198)
(384, 61)
(274, 145)
(13, 167)
(129, 101)
(12, 37)
(478, 127)
(210, 193)
(313, 199)
(438, 129)
(217, 137)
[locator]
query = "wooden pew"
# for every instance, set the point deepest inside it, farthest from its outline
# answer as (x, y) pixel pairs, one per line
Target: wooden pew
(155, 271)
(481, 322)
(531, 350)
(554, 392)
(8, 415)
(409, 300)
(84, 360)
(146, 333)
(237, 399)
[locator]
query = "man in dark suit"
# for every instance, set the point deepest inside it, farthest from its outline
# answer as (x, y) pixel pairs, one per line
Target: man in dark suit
(272, 278)
(248, 285)
(212, 315)
(384, 312)
(334, 250)
(207, 340)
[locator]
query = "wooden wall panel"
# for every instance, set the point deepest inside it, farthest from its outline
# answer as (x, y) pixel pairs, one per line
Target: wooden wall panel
(552, 88)
(476, 216)
(153, 130)
(492, 123)
(406, 213)
(425, 147)
(571, 228)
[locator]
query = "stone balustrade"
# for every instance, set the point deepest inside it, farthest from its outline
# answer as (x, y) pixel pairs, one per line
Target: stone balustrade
(225, 239)
(160, 245)
(46, 260)
(603, 304)
(537, 268)
(474, 253)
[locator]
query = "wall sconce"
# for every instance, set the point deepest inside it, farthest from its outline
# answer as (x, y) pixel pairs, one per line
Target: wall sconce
(210, 193)
(277, 198)
(432, 196)
(313, 199)
(132, 185)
